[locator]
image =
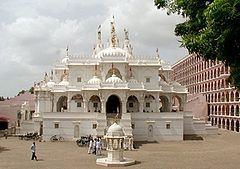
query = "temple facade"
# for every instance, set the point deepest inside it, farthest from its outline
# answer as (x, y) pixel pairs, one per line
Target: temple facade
(85, 94)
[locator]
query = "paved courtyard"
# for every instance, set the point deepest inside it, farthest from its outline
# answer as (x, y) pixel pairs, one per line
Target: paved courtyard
(221, 151)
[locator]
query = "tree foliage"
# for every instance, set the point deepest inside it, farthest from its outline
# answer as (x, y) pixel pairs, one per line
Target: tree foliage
(211, 30)
(2, 98)
(31, 90)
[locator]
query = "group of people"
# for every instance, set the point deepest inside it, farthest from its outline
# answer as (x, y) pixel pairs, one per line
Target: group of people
(95, 146)
(128, 143)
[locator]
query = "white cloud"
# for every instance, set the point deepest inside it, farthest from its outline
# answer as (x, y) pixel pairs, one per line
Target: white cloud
(35, 33)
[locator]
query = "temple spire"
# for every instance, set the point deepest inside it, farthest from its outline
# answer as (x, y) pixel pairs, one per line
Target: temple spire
(127, 46)
(67, 49)
(126, 34)
(113, 39)
(99, 45)
(157, 52)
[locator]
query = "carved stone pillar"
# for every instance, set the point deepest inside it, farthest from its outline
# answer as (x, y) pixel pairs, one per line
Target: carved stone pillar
(103, 103)
(124, 109)
(85, 106)
(141, 102)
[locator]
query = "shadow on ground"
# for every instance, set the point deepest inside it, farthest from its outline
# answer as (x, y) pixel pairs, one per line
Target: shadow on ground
(138, 144)
(3, 149)
(192, 137)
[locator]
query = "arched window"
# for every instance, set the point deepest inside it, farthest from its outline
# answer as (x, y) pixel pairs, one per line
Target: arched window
(94, 104)
(149, 104)
(232, 110)
(132, 104)
(232, 96)
(176, 103)
(223, 110)
(227, 110)
(62, 104)
(237, 110)
(236, 96)
(76, 103)
(227, 97)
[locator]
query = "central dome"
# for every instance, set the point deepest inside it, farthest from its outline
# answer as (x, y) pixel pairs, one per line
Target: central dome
(113, 52)
(114, 79)
(94, 80)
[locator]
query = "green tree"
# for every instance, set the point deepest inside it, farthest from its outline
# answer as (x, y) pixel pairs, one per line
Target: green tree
(31, 90)
(2, 98)
(21, 92)
(211, 30)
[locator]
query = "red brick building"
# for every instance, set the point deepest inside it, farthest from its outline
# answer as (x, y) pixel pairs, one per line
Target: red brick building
(208, 80)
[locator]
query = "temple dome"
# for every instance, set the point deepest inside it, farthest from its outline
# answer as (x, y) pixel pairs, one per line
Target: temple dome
(64, 82)
(114, 79)
(115, 130)
(132, 80)
(65, 60)
(50, 83)
(94, 80)
(113, 52)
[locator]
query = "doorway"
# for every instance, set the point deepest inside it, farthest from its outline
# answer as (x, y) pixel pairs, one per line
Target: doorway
(113, 107)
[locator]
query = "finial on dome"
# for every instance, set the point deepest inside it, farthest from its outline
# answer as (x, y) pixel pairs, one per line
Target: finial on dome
(126, 34)
(157, 53)
(99, 34)
(113, 70)
(45, 77)
(113, 39)
(67, 50)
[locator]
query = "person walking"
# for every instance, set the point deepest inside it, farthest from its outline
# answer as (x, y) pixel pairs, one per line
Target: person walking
(90, 146)
(33, 149)
(6, 133)
(98, 146)
(94, 146)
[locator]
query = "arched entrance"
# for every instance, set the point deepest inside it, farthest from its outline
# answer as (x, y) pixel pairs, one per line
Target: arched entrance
(113, 107)
(3, 122)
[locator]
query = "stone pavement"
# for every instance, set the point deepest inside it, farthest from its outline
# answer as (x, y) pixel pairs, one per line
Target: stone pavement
(220, 151)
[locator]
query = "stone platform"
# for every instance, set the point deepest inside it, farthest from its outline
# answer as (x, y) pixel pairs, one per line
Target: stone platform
(105, 162)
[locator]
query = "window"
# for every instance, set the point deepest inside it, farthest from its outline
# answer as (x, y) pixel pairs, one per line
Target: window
(56, 125)
(79, 104)
(147, 79)
(79, 79)
(95, 104)
(133, 125)
(94, 126)
(147, 104)
(130, 104)
(168, 126)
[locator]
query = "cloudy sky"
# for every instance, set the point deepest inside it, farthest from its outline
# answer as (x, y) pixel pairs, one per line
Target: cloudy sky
(34, 34)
